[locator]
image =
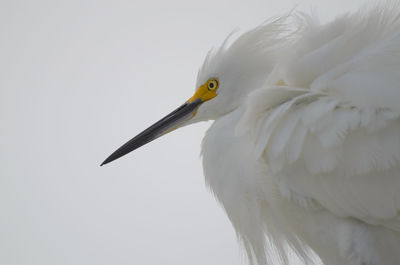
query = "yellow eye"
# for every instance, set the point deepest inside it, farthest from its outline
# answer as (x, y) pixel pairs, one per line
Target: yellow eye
(212, 84)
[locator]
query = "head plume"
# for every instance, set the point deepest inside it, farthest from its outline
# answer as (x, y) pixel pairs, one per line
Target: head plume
(241, 65)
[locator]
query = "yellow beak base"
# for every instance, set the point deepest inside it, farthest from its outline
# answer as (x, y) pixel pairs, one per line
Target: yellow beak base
(203, 93)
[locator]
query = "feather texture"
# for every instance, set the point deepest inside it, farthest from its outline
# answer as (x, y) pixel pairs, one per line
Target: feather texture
(323, 135)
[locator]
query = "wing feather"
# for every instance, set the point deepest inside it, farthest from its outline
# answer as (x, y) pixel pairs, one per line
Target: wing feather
(323, 150)
(331, 133)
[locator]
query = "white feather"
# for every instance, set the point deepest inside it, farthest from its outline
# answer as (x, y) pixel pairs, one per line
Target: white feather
(312, 151)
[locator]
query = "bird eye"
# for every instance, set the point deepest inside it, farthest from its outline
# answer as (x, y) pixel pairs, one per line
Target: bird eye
(212, 85)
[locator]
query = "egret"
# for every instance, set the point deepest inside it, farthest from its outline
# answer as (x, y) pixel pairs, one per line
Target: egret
(304, 150)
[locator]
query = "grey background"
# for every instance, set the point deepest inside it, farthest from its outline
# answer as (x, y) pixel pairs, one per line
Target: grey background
(77, 80)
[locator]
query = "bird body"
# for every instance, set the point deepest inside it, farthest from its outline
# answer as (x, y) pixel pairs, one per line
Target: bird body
(312, 157)
(304, 152)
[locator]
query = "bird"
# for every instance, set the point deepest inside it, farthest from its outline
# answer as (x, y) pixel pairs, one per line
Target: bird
(304, 149)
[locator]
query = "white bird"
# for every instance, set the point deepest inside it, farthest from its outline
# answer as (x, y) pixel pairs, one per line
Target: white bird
(304, 151)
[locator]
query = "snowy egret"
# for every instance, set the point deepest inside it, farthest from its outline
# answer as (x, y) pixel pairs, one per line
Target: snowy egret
(304, 152)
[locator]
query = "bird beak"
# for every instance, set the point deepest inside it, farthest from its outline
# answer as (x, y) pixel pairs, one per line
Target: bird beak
(172, 121)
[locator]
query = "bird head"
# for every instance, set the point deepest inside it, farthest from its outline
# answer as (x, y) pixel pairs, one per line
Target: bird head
(227, 76)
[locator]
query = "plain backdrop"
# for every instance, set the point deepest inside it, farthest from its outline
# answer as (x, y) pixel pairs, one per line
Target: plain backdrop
(80, 78)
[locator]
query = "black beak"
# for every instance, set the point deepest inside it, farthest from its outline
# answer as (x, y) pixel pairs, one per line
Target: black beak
(172, 121)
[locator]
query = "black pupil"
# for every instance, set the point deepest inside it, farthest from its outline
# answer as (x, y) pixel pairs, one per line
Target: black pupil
(211, 85)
